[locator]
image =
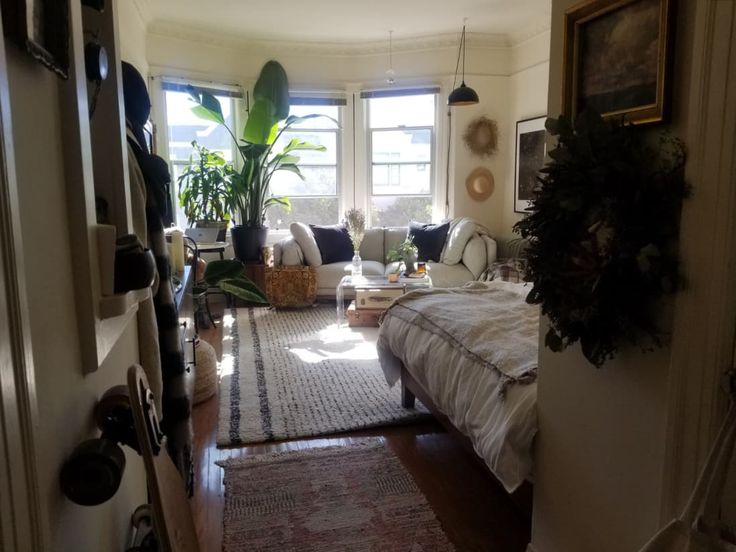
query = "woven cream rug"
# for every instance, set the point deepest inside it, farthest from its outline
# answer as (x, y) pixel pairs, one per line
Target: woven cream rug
(356, 498)
(294, 373)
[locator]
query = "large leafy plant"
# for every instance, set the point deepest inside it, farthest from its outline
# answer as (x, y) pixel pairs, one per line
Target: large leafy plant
(602, 231)
(250, 187)
(204, 192)
(228, 276)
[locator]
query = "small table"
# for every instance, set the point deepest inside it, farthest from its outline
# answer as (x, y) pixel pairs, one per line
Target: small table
(214, 247)
(374, 282)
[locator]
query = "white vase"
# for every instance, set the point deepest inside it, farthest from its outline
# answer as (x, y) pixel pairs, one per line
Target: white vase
(357, 267)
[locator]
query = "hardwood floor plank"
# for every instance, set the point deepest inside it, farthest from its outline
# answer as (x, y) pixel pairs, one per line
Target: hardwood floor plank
(476, 514)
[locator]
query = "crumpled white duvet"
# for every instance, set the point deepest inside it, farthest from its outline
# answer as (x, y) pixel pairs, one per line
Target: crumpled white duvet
(502, 429)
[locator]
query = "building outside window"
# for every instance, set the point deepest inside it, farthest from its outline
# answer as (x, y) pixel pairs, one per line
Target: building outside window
(401, 158)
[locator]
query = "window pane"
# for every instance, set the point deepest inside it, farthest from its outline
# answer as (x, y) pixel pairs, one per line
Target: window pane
(398, 211)
(318, 122)
(402, 111)
(321, 210)
(401, 145)
(317, 181)
(404, 179)
(326, 139)
(185, 126)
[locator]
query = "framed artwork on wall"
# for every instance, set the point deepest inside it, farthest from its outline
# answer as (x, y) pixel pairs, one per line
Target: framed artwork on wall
(41, 27)
(530, 153)
(617, 59)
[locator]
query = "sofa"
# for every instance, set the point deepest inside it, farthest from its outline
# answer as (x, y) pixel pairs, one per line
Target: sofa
(467, 253)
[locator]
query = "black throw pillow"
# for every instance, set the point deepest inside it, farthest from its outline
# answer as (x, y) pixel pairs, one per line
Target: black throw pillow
(333, 242)
(429, 239)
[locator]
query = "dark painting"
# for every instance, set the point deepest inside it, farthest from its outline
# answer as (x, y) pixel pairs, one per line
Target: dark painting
(531, 159)
(619, 58)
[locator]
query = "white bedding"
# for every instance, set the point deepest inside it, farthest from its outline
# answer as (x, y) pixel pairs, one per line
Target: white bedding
(466, 390)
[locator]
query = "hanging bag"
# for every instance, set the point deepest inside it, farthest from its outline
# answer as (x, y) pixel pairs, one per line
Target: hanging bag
(699, 529)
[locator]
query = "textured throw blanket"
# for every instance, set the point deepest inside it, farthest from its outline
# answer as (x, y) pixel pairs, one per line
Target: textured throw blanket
(490, 323)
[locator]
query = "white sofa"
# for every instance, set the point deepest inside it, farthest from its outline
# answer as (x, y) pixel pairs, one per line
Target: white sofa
(467, 253)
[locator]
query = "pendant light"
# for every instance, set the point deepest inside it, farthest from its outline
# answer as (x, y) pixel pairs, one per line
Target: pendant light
(463, 94)
(390, 73)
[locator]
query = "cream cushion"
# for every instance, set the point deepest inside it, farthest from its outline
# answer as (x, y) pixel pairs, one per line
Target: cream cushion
(461, 230)
(304, 237)
(371, 248)
(474, 256)
(491, 249)
(289, 252)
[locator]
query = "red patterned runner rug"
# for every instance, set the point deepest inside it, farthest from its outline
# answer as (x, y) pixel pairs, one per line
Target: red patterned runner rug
(345, 498)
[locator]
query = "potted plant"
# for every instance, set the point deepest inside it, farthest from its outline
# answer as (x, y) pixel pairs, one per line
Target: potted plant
(204, 193)
(405, 253)
(249, 188)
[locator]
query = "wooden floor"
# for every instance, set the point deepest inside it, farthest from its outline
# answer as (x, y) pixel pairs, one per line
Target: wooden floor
(475, 512)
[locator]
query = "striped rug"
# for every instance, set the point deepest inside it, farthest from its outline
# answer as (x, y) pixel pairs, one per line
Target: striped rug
(333, 499)
(294, 373)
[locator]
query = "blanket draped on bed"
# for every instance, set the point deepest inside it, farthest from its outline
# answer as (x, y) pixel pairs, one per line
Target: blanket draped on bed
(492, 325)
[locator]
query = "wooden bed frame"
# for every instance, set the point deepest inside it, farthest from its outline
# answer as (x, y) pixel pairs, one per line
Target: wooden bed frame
(411, 390)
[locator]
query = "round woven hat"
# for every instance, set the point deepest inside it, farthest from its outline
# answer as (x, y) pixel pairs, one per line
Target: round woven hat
(480, 184)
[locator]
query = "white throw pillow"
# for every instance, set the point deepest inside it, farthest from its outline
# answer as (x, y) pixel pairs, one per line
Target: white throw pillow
(491, 249)
(458, 236)
(304, 237)
(475, 257)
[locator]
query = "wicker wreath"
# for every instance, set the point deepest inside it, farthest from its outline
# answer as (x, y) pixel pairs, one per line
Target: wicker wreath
(481, 136)
(603, 231)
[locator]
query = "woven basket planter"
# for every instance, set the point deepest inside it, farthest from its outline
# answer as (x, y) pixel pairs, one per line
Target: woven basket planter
(291, 286)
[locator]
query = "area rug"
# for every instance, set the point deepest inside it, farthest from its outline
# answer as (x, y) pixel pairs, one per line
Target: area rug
(357, 498)
(294, 373)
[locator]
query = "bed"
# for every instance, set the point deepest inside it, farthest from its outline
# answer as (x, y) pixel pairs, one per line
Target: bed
(470, 355)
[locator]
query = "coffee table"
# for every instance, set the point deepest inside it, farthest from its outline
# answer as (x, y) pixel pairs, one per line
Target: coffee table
(374, 282)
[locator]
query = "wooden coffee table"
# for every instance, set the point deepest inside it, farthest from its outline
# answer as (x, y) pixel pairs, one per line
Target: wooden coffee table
(374, 282)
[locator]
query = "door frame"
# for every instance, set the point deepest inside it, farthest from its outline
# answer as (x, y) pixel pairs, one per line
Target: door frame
(23, 523)
(705, 312)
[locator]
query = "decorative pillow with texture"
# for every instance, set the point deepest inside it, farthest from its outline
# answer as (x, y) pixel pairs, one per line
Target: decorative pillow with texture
(304, 237)
(458, 236)
(333, 242)
(429, 239)
(510, 270)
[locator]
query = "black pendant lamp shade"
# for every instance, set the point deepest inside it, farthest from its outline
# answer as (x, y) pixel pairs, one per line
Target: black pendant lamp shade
(463, 94)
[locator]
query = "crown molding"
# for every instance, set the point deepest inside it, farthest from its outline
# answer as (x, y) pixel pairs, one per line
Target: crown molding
(540, 27)
(322, 48)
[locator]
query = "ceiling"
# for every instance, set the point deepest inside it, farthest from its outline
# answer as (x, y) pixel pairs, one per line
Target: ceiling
(350, 21)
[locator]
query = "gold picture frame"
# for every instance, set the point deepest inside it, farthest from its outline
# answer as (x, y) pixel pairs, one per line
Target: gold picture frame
(617, 59)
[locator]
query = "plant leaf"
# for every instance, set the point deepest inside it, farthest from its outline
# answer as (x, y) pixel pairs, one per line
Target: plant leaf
(273, 85)
(222, 269)
(262, 123)
(244, 289)
(208, 106)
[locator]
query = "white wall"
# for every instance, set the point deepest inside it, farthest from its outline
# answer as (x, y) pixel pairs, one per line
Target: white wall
(600, 456)
(510, 81)
(65, 396)
(132, 33)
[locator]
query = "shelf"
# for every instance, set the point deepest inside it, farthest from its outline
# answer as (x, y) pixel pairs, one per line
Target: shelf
(119, 304)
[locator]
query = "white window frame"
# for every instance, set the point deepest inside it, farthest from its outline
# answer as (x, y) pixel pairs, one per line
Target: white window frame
(436, 194)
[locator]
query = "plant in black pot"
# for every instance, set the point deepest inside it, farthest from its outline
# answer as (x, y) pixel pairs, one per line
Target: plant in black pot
(204, 190)
(249, 187)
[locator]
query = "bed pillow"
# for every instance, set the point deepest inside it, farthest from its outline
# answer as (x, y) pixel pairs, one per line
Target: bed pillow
(333, 242)
(460, 233)
(429, 239)
(304, 237)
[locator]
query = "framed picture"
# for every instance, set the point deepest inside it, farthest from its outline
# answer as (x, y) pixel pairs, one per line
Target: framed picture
(530, 152)
(617, 59)
(41, 27)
